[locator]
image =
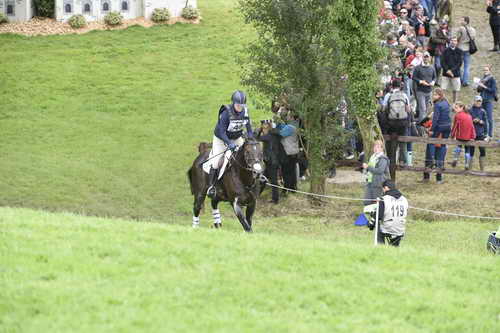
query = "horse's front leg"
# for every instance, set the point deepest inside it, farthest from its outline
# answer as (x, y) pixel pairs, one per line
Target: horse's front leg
(216, 214)
(198, 204)
(249, 213)
(241, 217)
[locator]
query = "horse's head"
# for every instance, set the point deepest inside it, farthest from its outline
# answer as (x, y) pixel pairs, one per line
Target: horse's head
(252, 153)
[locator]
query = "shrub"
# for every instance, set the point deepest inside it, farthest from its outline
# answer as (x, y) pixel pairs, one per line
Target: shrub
(44, 8)
(190, 13)
(3, 18)
(113, 18)
(77, 21)
(160, 15)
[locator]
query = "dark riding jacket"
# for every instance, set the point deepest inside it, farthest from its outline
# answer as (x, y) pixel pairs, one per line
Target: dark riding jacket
(231, 123)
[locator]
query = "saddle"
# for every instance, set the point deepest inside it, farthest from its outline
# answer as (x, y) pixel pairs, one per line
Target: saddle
(223, 163)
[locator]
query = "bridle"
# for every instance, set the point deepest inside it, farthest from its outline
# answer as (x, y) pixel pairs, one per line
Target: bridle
(249, 161)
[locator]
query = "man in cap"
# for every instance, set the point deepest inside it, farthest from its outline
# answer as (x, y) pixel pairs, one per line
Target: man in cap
(424, 77)
(451, 62)
(393, 209)
(480, 121)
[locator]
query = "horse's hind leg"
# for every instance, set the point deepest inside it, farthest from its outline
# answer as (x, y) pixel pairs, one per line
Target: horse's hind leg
(249, 213)
(198, 204)
(241, 217)
(216, 214)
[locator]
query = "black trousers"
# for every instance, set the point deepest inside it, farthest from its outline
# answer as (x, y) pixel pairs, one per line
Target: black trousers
(391, 239)
(271, 173)
(289, 172)
(495, 30)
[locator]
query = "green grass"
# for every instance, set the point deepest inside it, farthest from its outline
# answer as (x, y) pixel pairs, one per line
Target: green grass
(107, 123)
(67, 273)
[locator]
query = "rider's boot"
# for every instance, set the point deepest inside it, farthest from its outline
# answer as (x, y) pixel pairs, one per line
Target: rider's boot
(212, 178)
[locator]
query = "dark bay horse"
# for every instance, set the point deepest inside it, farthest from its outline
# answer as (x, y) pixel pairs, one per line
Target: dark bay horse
(239, 185)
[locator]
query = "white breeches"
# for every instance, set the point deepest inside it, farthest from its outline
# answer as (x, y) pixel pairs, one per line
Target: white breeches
(218, 146)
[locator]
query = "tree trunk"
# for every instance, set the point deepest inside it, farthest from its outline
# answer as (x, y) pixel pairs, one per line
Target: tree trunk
(317, 164)
(370, 131)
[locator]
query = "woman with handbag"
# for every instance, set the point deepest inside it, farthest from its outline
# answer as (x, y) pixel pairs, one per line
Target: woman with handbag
(466, 42)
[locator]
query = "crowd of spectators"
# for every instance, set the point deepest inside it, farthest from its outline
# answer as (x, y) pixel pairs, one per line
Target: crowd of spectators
(428, 64)
(429, 60)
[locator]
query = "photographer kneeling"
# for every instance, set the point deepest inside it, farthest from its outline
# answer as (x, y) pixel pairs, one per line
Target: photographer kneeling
(393, 209)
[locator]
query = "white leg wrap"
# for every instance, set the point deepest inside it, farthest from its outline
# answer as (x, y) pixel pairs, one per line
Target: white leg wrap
(196, 222)
(216, 216)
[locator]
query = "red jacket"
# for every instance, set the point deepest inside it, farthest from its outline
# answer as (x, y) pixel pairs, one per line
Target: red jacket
(463, 127)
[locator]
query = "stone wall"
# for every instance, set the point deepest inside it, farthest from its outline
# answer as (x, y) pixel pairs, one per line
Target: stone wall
(96, 9)
(17, 10)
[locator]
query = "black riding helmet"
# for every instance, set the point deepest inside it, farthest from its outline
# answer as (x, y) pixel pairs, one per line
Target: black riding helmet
(239, 97)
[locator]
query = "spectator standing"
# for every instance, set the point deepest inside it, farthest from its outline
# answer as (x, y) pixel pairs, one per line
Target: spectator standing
(377, 171)
(397, 110)
(465, 34)
(487, 87)
(424, 77)
(451, 62)
(421, 24)
(463, 130)
(274, 155)
(445, 11)
(435, 154)
(439, 39)
(480, 121)
(393, 209)
(493, 8)
(290, 142)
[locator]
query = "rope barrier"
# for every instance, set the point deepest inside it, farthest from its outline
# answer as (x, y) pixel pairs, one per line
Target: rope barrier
(375, 200)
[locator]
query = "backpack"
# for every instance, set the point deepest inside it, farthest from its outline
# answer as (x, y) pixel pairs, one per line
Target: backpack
(397, 106)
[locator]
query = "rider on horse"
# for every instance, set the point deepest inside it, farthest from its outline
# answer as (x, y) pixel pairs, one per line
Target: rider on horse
(228, 133)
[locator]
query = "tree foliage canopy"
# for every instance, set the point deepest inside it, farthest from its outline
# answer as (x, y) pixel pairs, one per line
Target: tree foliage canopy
(302, 50)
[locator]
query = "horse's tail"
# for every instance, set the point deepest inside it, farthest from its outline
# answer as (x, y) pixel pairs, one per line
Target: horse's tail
(190, 177)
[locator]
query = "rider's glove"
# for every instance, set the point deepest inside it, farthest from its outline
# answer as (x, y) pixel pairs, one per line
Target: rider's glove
(231, 146)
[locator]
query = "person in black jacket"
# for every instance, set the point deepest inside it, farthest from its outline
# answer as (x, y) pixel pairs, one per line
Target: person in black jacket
(494, 10)
(274, 155)
(451, 62)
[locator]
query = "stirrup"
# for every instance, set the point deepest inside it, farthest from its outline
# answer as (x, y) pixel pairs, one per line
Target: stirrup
(211, 192)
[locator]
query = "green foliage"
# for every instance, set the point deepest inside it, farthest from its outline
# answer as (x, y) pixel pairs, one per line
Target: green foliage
(67, 273)
(160, 15)
(77, 21)
(113, 18)
(190, 13)
(356, 21)
(44, 8)
(3, 18)
(296, 54)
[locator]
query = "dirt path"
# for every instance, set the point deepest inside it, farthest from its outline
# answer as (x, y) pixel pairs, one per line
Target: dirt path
(346, 177)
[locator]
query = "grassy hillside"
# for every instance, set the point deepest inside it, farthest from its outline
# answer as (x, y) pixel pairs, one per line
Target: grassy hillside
(65, 273)
(107, 123)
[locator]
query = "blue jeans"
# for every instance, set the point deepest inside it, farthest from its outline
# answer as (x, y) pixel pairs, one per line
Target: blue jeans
(465, 73)
(488, 107)
(437, 66)
(423, 100)
(436, 154)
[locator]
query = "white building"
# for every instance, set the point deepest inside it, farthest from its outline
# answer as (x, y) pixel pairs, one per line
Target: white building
(23, 10)
(17, 10)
